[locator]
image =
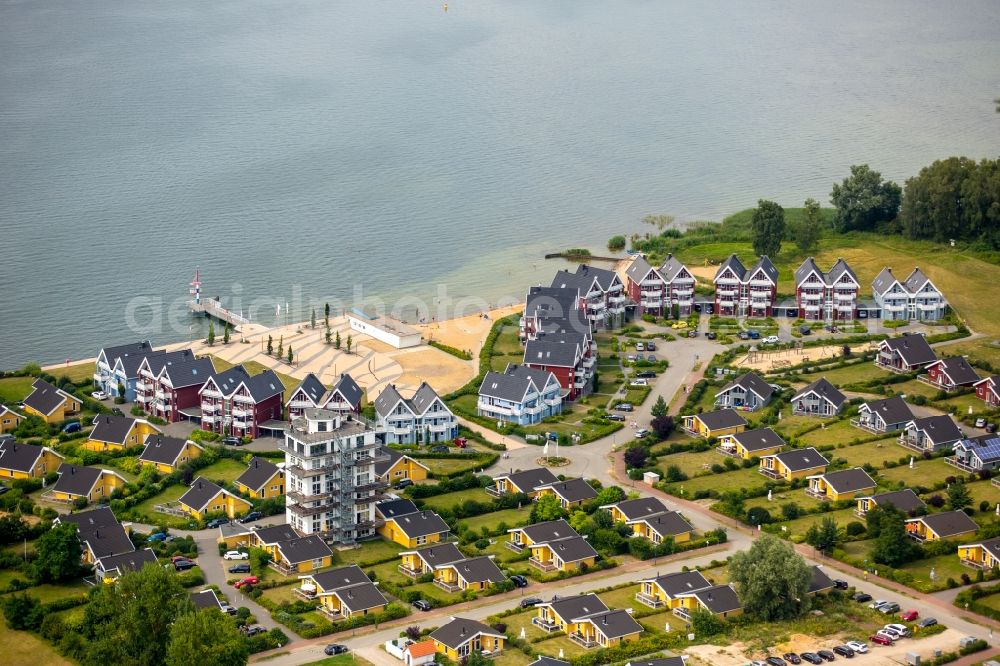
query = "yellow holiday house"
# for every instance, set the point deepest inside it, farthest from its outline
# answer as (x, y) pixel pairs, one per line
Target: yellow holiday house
(553, 545)
(167, 454)
(842, 485)
(560, 613)
(631, 510)
(27, 461)
(794, 464)
(392, 466)
(204, 498)
(262, 479)
(90, 483)
(9, 419)
(719, 600)
(268, 538)
(587, 620)
(51, 404)
(301, 555)
(523, 481)
(415, 529)
(661, 526)
(751, 443)
(100, 533)
(460, 637)
(474, 573)
(416, 563)
(571, 493)
(944, 525)
(111, 568)
(343, 593)
(714, 424)
(116, 433)
(981, 555)
(662, 591)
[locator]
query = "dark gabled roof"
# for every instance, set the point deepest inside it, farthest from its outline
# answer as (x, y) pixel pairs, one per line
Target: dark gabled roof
(478, 570)
(849, 480)
(335, 579)
(573, 490)
(540, 378)
(422, 523)
(162, 449)
(570, 608)
(615, 623)
(194, 372)
(560, 349)
(549, 661)
(396, 508)
(88, 521)
(205, 599)
(915, 281)
(838, 271)
(312, 387)
(304, 549)
(634, 509)
(735, 264)
(959, 370)
(948, 523)
(584, 278)
(229, 380)
(751, 381)
(574, 321)
(276, 534)
(912, 348)
(721, 418)
(112, 354)
(200, 493)
(682, 582)
(361, 596)
(668, 524)
(798, 460)
(662, 661)
(992, 546)
(718, 598)
(548, 302)
(77, 480)
(100, 531)
(258, 472)
(126, 562)
(883, 281)
(758, 440)
(505, 386)
(767, 266)
(264, 385)
(671, 267)
(551, 530)
(571, 549)
(44, 398)
(905, 500)
(19, 457)
(529, 479)
(939, 429)
(424, 398)
(823, 389)
(460, 631)
(639, 269)
(348, 390)
(440, 553)
(892, 410)
(388, 399)
(820, 581)
(130, 362)
(156, 362)
(111, 428)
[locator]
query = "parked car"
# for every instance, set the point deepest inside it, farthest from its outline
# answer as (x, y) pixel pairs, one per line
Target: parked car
(529, 602)
(743, 335)
(772, 340)
(840, 584)
(650, 346)
(857, 646)
(909, 616)
(236, 555)
(216, 522)
(461, 442)
(519, 580)
(640, 347)
(651, 358)
(889, 608)
(422, 604)
(647, 374)
(616, 417)
(229, 610)
(631, 357)
(775, 661)
(3, 489)
(179, 557)
(980, 422)
(792, 658)
(862, 597)
(805, 330)
(754, 335)
(624, 407)
(159, 536)
(878, 603)
(927, 622)
(900, 629)
(252, 516)
(117, 412)
(991, 428)
(240, 568)
(253, 629)
(184, 564)
(891, 635)
(440, 448)
(249, 580)
(677, 325)
(99, 395)
(232, 441)
(711, 335)
(811, 657)
(827, 655)
(880, 639)
(692, 334)
(72, 426)
(639, 382)
(402, 484)
(844, 651)
(640, 433)
(335, 648)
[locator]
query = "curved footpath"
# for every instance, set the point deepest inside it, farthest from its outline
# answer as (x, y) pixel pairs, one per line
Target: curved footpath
(600, 460)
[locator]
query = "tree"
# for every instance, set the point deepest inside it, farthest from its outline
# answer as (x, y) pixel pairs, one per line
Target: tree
(312, 320)
(208, 638)
(771, 579)
(225, 333)
(350, 343)
(809, 230)
(956, 198)
(609, 495)
(128, 623)
(336, 341)
(546, 508)
(758, 515)
(768, 228)
(211, 333)
(281, 346)
(660, 408)
(291, 356)
(864, 199)
(663, 426)
(704, 623)
(22, 612)
(636, 456)
(824, 535)
(57, 554)
(893, 546)
(13, 529)
(270, 346)
(790, 511)
(329, 335)
(959, 496)
(326, 313)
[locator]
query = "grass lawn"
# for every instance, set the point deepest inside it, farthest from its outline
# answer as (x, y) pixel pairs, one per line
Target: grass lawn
(226, 469)
(513, 518)
(924, 472)
(507, 342)
(980, 349)
(983, 490)
(692, 463)
(47, 593)
(520, 621)
(512, 658)
(501, 553)
(991, 600)
(874, 453)
(15, 389)
(834, 432)
(801, 525)
(744, 478)
(552, 646)
(945, 567)
(452, 465)
(449, 500)
(790, 426)
(370, 552)
(623, 597)
(963, 402)
(349, 659)
(254, 368)
(280, 594)
(432, 591)
(150, 515)
(861, 371)
(389, 571)
(22, 648)
(786, 496)
(915, 387)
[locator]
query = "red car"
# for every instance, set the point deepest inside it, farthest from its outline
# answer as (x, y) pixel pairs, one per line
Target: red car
(910, 616)
(461, 442)
(880, 639)
(179, 557)
(249, 580)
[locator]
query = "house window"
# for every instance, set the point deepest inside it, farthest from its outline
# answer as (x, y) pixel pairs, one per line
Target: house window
(421, 540)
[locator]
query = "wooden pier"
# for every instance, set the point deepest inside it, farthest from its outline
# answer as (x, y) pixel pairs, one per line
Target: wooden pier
(212, 307)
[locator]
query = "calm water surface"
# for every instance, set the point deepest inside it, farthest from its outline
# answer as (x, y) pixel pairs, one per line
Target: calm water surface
(399, 146)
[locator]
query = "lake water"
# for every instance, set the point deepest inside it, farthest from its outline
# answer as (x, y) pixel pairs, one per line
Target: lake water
(398, 146)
